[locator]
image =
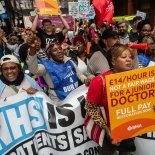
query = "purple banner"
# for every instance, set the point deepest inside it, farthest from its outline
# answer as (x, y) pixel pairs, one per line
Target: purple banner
(56, 20)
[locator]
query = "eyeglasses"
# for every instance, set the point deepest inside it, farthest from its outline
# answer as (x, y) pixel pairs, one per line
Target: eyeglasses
(145, 30)
(78, 43)
(9, 68)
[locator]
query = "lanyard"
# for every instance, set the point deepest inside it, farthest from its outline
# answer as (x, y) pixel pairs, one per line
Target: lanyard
(4, 53)
(14, 88)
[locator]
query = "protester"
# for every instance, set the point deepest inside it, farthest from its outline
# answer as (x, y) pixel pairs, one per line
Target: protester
(151, 48)
(113, 26)
(98, 63)
(14, 40)
(80, 58)
(123, 31)
(134, 32)
(120, 60)
(103, 27)
(41, 55)
(13, 44)
(96, 44)
(21, 41)
(144, 29)
(3, 48)
(13, 80)
(59, 72)
(147, 57)
(48, 31)
(92, 29)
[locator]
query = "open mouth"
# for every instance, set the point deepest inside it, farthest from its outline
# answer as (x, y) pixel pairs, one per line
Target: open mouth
(60, 56)
(10, 77)
(129, 65)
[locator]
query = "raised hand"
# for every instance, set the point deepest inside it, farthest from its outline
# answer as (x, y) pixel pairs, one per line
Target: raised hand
(31, 90)
(37, 11)
(31, 40)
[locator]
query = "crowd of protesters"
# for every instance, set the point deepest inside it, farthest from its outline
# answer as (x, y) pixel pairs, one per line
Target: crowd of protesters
(61, 60)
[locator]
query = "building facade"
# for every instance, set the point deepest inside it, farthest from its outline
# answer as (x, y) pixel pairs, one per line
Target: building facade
(16, 9)
(130, 7)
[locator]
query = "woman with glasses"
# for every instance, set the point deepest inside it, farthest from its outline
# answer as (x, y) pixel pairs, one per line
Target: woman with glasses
(144, 30)
(150, 52)
(147, 57)
(13, 80)
(120, 59)
(59, 72)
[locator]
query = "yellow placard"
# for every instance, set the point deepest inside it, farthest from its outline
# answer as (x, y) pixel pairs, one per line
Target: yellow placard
(118, 18)
(131, 97)
(47, 7)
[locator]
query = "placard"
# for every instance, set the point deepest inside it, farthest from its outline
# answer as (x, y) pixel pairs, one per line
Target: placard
(83, 7)
(47, 7)
(73, 9)
(131, 97)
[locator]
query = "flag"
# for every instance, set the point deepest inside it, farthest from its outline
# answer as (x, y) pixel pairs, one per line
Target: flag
(104, 11)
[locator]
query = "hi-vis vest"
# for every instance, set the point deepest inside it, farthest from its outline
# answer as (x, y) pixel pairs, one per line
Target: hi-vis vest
(64, 77)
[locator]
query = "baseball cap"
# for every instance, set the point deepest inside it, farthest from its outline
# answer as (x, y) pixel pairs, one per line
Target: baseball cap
(108, 33)
(9, 58)
(79, 38)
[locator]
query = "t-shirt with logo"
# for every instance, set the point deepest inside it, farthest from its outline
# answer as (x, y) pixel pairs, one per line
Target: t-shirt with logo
(45, 38)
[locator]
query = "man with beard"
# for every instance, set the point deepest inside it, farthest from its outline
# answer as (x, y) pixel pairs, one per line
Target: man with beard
(123, 31)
